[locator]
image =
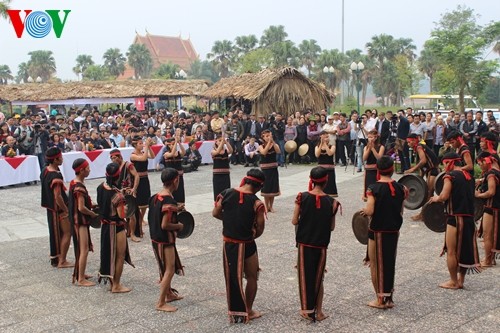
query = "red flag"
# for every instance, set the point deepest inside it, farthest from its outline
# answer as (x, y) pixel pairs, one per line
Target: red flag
(139, 104)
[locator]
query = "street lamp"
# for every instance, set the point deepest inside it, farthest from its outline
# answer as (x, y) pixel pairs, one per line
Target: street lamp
(357, 68)
(38, 80)
(329, 71)
(30, 79)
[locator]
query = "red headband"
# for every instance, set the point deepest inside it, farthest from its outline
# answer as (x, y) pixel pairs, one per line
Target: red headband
(116, 153)
(412, 140)
(81, 167)
(489, 145)
(50, 158)
(384, 171)
(316, 181)
(116, 174)
(451, 165)
(257, 180)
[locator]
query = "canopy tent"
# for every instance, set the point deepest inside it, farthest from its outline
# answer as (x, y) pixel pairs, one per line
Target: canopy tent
(286, 90)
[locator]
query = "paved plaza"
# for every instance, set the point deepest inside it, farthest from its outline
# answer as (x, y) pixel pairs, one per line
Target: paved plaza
(35, 297)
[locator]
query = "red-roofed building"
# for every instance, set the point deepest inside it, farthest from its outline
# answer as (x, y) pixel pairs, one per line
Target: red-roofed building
(165, 49)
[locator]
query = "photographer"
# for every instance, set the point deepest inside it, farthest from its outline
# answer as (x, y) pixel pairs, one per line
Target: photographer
(24, 135)
(360, 128)
(41, 143)
(279, 134)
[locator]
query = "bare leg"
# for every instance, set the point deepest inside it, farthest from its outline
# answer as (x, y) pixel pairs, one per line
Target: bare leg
(271, 203)
(142, 212)
(319, 304)
(165, 284)
(451, 258)
(82, 260)
(372, 255)
(488, 240)
(65, 240)
(251, 269)
(121, 246)
(267, 203)
(131, 224)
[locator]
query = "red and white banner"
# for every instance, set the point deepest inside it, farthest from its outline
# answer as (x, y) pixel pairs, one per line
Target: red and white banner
(18, 170)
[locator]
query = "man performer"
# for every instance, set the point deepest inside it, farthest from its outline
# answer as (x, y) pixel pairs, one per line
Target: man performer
(460, 238)
(489, 190)
(80, 215)
(242, 215)
(314, 216)
(385, 207)
(55, 200)
(458, 143)
(428, 164)
(114, 247)
(163, 226)
(128, 182)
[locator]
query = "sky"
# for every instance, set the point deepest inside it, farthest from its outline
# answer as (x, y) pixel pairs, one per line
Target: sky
(94, 26)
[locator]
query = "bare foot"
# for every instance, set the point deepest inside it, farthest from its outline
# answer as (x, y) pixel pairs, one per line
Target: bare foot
(390, 304)
(87, 276)
(321, 316)
(417, 217)
(120, 289)
(254, 315)
(376, 304)
(85, 283)
(65, 264)
(449, 285)
(305, 316)
(135, 239)
(144, 222)
(174, 297)
(166, 308)
(484, 263)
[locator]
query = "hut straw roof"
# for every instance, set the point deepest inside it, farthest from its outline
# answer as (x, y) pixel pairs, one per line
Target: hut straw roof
(40, 92)
(263, 88)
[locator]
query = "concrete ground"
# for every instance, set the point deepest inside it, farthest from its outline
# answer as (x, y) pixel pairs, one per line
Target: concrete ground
(35, 297)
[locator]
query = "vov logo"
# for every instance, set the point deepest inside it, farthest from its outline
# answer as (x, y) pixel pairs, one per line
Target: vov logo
(38, 24)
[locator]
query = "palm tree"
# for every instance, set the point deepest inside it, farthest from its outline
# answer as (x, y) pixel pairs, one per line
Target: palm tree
(41, 64)
(428, 64)
(406, 47)
(382, 48)
(114, 61)
(332, 58)
(309, 51)
(22, 72)
(83, 61)
(203, 70)
(496, 48)
(4, 6)
(245, 44)
(221, 56)
(140, 59)
(273, 34)
(5, 74)
(166, 71)
(285, 54)
(95, 73)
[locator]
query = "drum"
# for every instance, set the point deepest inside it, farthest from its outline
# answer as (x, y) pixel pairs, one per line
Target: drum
(360, 223)
(96, 221)
(290, 146)
(187, 220)
(434, 216)
(439, 183)
(131, 205)
(478, 209)
(303, 149)
(417, 191)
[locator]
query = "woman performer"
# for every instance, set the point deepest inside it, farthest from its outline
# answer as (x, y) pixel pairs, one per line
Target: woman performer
(140, 160)
(385, 206)
(173, 159)
(220, 155)
(114, 246)
(269, 166)
(314, 216)
(163, 229)
(80, 213)
(371, 153)
(490, 191)
(325, 153)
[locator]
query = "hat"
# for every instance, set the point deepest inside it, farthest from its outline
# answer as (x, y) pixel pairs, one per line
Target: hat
(59, 118)
(336, 113)
(330, 117)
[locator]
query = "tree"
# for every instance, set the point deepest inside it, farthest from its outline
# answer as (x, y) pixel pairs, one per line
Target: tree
(273, 34)
(83, 61)
(245, 44)
(22, 72)
(203, 70)
(338, 61)
(140, 59)
(4, 6)
(222, 56)
(309, 52)
(166, 71)
(255, 61)
(95, 73)
(428, 64)
(41, 64)
(459, 42)
(5, 74)
(114, 61)
(285, 54)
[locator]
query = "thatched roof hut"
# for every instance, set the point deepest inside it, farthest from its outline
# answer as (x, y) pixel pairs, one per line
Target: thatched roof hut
(286, 90)
(32, 93)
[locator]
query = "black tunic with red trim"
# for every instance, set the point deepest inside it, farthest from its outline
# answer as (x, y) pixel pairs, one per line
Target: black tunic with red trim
(494, 201)
(388, 212)
(239, 213)
(269, 167)
(462, 151)
(315, 219)
(432, 160)
(49, 180)
(144, 188)
(326, 161)
(126, 179)
(461, 200)
(371, 168)
(158, 207)
(175, 162)
(221, 179)
(76, 190)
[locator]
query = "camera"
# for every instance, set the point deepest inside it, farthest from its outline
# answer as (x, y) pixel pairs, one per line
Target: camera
(358, 121)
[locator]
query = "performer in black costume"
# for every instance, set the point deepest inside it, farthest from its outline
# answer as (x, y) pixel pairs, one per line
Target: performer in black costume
(325, 153)
(114, 247)
(80, 215)
(163, 226)
(460, 238)
(385, 206)
(314, 216)
(371, 153)
(140, 160)
(173, 159)
(221, 179)
(489, 190)
(55, 200)
(243, 218)
(269, 166)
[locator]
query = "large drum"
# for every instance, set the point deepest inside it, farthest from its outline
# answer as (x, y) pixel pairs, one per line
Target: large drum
(417, 188)
(434, 216)
(439, 183)
(478, 209)
(360, 223)
(187, 220)
(131, 206)
(290, 146)
(96, 221)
